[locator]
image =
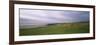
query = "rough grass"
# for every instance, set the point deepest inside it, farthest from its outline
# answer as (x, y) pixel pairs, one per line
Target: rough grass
(65, 28)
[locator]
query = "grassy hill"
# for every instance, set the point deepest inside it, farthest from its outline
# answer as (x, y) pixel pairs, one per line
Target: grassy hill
(63, 28)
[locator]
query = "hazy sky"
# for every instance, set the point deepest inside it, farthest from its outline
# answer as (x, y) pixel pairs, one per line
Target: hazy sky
(31, 16)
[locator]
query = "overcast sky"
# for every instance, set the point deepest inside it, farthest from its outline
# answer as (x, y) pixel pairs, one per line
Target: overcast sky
(33, 16)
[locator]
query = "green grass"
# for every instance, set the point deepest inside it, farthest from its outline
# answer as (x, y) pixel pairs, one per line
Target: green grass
(65, 28)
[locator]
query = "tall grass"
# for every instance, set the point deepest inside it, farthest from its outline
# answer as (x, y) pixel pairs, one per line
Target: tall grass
(64, 28)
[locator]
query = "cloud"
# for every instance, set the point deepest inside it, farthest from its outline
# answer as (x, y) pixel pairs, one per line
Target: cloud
(51, 16)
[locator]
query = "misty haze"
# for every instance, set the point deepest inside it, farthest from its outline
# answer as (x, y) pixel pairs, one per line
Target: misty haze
(40, 19)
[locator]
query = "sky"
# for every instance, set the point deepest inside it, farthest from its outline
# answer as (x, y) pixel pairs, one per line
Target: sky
(38, 16)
